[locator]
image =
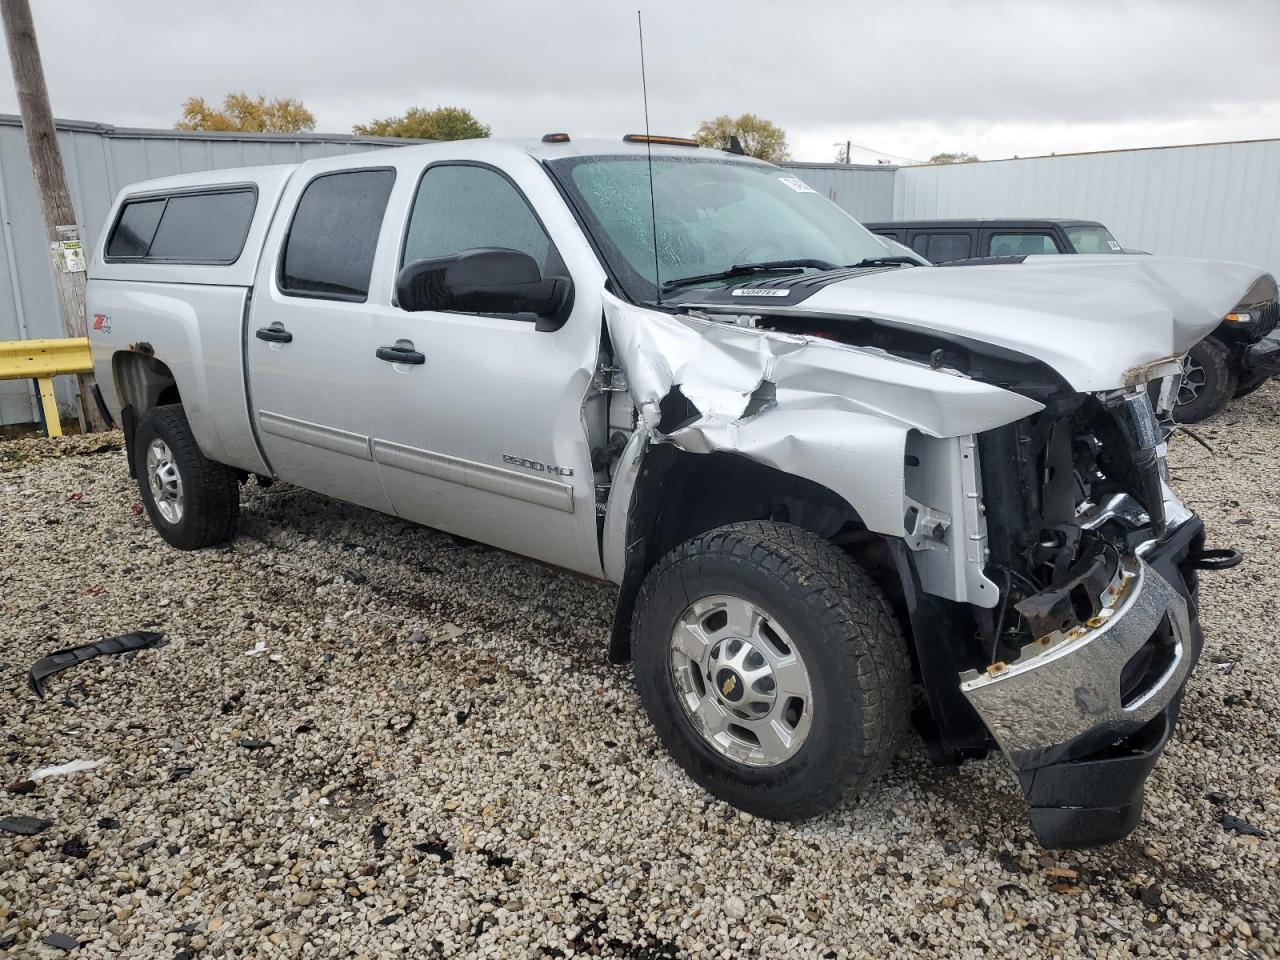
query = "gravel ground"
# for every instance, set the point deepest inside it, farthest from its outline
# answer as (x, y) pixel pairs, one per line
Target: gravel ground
(430, 757)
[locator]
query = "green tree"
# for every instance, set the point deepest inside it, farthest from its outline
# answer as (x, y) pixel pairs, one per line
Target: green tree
(759, 137)
(442, 123)
(245, 113)
(952, 158)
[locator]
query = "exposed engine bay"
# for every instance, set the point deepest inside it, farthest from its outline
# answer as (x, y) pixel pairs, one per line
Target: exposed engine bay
(1079, 491)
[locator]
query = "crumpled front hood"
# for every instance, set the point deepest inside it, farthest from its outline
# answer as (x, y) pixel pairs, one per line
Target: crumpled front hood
(1092, 318)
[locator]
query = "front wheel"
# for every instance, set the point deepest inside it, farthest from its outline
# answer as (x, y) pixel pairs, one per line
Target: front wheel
(192, 501)
(1208, 381)
(772, 668)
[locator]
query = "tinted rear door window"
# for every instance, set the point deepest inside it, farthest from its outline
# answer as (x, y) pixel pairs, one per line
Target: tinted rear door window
(334, 234)
(941, 247)
(203, 227)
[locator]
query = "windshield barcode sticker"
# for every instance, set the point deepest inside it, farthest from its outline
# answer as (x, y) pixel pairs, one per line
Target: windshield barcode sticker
(760, 292)
(798, 185)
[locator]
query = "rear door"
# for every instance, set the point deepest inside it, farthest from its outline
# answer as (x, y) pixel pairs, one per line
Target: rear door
(941, 245)
(487, 433)
(310, 339)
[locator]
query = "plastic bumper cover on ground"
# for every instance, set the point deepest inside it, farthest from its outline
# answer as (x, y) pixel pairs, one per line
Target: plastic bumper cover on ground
(1084, 716)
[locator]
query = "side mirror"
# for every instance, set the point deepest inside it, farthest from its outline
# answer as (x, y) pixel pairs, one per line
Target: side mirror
(485, 280)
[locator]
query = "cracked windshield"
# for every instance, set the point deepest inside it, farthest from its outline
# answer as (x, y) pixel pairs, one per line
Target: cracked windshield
(712, 216)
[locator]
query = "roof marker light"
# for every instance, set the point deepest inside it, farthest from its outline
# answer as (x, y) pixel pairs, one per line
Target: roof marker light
(669, 141)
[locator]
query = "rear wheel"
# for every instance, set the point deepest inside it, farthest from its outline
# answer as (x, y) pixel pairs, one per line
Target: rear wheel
(771, 667)
(1208, 381)
(192, 501)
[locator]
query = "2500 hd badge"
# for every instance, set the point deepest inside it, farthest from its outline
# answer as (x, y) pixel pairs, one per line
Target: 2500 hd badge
(537, 465)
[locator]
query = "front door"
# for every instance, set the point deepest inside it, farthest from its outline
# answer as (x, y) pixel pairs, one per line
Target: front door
(311, 334)
(481, 422)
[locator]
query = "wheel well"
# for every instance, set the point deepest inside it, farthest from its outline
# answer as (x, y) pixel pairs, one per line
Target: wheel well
(680, 495)
(143, 382)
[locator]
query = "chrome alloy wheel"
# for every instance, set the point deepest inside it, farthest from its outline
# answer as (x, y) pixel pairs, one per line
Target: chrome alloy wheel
(741, 681)
(165, 480)
(1193, 380)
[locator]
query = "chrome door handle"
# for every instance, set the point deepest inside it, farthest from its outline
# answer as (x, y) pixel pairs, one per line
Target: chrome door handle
(402, 352)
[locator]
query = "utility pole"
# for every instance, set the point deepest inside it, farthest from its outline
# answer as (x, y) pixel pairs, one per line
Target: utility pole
(51, 181)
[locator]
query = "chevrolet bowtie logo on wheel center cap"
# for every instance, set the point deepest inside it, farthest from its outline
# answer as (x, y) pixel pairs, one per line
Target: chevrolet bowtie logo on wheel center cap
(729, 685)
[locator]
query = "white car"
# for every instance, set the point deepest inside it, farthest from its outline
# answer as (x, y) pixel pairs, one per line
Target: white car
(822, 477)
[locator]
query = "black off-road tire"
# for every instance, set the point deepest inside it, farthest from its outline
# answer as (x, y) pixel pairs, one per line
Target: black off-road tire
(1209, 361)
(845, 631)
(210, 491)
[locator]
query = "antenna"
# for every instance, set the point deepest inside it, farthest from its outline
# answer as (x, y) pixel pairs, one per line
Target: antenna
(648, 146)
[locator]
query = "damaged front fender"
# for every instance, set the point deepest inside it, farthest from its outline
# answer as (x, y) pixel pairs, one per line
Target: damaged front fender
(733, 375)
(834, 414)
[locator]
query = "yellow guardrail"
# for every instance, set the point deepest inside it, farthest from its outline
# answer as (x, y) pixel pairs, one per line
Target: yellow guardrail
(41, 360)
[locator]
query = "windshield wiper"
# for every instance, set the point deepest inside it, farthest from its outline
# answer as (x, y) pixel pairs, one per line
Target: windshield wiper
(746, 269)
(891, 261)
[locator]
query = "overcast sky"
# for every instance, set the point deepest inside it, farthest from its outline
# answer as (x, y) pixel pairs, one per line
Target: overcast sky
(906, 79)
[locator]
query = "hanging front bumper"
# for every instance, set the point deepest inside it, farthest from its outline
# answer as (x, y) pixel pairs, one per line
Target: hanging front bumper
(1083, 715)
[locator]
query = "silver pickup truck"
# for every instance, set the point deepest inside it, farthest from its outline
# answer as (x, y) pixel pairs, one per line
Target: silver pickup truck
(838, 490)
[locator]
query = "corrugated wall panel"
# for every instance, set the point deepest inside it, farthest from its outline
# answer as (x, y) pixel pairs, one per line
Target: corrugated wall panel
(98, 162)
(866, 193)
(16, 397)
(1212, 200)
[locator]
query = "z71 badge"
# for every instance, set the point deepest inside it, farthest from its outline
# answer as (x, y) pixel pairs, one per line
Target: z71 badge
(537, 465)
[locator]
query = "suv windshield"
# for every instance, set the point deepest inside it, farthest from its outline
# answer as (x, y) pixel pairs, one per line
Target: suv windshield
(713, 214)
(1094, 239)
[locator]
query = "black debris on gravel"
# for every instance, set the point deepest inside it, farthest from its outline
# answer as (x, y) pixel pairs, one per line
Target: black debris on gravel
(24, 826)
(1234, 824)
(69, 657)
(75, 847)
(402, 722)
(61, 941)
(435, 848)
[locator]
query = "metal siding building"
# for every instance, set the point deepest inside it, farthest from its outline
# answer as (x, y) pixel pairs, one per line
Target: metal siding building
(1218, 200)
(99, 160)
(866, 192)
